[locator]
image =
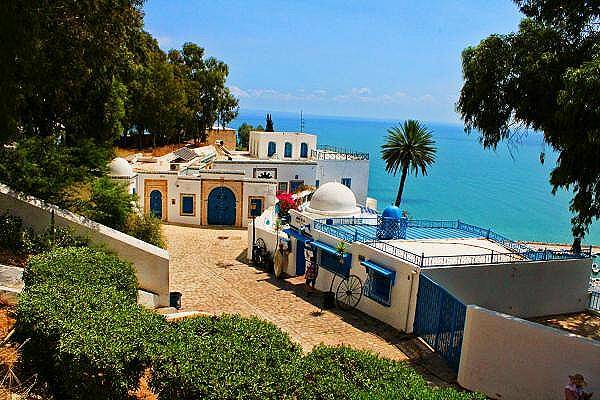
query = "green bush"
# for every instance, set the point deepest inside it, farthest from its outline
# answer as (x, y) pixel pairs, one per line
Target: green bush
(11, 232)
(87, 342)
(344, 373)
(110, 204)
(82, 267)
(145, 227)
(227, 357)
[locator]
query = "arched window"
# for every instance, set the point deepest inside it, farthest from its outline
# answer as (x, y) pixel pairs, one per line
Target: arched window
(272, 149)
(303, 150)
(288, 150)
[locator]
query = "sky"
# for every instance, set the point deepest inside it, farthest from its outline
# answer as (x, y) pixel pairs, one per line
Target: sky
(370, 59)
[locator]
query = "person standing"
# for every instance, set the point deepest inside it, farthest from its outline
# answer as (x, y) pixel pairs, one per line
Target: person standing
(311, 273)
(574, 390)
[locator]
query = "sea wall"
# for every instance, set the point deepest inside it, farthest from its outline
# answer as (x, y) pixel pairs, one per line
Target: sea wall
(527, 289)
(508, 358)
(151, 262)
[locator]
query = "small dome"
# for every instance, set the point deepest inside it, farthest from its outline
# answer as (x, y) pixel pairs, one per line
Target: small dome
(120, 167)
(392, 212)
(333, 198)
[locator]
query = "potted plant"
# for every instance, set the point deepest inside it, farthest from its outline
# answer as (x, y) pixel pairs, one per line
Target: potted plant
(341, 248)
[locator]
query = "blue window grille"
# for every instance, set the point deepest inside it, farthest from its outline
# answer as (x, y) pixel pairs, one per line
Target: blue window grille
(330, 259)
(303, 150)
(379, 283)
(595, 300)
(317, 183)
(187, 205)
(287, 152)
(347, 182)
(272, 149)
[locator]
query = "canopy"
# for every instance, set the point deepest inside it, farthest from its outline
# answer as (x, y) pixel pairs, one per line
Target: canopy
(388, 273)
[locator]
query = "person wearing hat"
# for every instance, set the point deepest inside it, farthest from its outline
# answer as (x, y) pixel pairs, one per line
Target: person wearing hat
(574, 390)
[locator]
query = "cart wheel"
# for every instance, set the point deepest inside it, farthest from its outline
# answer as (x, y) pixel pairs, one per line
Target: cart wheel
(261, 255)
(349, 292)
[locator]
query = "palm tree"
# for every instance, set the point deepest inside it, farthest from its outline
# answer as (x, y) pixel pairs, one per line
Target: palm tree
(409, 145)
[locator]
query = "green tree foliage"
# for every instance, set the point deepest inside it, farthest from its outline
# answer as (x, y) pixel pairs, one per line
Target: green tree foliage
(546, 77)
(146, 227)
(110, 204)
(243, 135)
(408, 146)
(269, 126)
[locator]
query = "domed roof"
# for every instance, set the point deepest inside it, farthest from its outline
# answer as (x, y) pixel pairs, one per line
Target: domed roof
(333, 198)
(392, 212)
(120, 167)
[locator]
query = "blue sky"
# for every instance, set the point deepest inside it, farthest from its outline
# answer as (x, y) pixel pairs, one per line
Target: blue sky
(379, 59)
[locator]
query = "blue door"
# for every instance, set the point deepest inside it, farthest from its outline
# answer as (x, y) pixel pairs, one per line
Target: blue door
(221, 207)
(156, 203)
(300, 257)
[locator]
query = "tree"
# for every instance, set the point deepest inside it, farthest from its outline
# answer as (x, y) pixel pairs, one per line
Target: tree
(408, 146)
(243, 135)
(269, 127)
(545, 77)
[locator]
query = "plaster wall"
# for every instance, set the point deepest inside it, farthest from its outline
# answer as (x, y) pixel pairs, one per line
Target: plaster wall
(260, 189)
(357, 170)
(529, 289)
(151, 262)
(400, 314)
(508, 358)
(285, 171)
(227, 135)
(259, 142)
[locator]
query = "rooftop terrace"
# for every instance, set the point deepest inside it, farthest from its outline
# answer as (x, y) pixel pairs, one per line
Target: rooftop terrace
(429, 243)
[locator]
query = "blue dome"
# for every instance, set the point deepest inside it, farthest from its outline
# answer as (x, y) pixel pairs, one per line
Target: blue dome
(392, 212)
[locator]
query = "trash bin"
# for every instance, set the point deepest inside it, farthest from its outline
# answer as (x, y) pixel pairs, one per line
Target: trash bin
(328, 300)
(175, 300)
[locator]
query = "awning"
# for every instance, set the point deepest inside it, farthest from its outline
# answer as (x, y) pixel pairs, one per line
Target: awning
(388, 273)
(327, 248)
(297, 235)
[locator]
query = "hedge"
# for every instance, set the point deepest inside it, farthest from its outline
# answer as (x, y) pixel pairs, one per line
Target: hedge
(227, 357)
(82, 266)
(340, 373)
(86, 342)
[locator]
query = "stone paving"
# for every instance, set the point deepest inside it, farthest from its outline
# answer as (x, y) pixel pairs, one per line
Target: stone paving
(210, 269)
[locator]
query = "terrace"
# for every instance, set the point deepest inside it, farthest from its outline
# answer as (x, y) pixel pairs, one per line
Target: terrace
(427, 243)
(327, 152)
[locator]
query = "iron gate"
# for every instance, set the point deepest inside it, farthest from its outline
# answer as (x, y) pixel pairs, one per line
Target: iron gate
(440, 319)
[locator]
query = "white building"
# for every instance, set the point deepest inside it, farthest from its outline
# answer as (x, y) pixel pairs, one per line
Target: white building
(182, 187)
(467, 291)
(292, 159)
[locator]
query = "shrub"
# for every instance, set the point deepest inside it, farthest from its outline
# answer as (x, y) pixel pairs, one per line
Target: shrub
(145, 227)
(344, 373)
(227, 357)
(82, 267)
(85, 341)
(11, 230)
(110, 203)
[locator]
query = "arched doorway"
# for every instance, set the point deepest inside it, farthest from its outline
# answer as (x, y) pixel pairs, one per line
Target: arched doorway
(221, 207)
(156, 203)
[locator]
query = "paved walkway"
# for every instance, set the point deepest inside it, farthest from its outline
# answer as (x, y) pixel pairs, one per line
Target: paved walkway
(209, 267)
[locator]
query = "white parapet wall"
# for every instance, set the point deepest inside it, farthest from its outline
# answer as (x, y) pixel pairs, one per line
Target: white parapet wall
(524, 289)
(509, 358)
(151, 262)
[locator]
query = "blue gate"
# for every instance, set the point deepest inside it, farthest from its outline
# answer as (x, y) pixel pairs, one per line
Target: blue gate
(156, 203)
(221, 207)
(440, 319)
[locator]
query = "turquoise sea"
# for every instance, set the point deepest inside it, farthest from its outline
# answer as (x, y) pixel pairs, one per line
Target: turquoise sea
(506, 190)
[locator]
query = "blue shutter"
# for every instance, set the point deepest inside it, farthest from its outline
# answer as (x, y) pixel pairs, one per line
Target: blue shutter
(272, 149)
(288, 150)
(187, 204)
(303, 150)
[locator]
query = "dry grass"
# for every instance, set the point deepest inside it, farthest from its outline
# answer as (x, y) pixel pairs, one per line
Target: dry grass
(148, 151)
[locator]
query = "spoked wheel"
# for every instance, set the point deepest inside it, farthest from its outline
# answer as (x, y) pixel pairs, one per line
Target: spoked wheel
(349, 292)
(260, 254)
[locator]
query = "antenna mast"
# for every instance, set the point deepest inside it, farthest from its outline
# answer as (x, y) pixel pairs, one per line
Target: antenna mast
(301, 123)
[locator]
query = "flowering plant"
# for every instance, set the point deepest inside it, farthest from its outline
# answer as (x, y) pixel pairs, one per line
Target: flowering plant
(286, 203)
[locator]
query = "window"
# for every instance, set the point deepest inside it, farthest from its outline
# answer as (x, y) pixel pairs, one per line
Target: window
(379, 283)
(347, 182)
(272, 149)
(187, 205)
(287, 152)
(282, 187)
(330, 260)
(255, 206)
(303, 150)
(317, 183)
(295, 185)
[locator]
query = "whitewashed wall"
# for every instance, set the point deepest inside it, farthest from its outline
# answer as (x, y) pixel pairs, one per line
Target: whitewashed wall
(528, 289)
(259, 142)
(260, 188)
(151, 262)
(286, 170)
(512, 359)
(357, 170)
(401, 313)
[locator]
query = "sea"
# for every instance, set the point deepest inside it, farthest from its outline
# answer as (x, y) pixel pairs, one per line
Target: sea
(506, 189)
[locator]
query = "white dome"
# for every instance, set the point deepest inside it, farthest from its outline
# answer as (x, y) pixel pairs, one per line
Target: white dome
(120, 167)
(333, 199)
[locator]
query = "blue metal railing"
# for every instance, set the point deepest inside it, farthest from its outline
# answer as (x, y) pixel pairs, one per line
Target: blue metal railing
(595, 300)
(440, 319)
(358, 229)
(327, 152)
